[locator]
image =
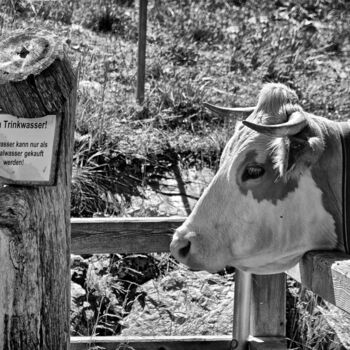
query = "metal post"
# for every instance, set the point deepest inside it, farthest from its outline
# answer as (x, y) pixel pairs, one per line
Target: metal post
(241, 312)
(141, 56)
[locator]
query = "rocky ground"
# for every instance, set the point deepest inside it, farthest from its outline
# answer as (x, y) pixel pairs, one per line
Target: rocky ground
(183, 302)
(110, 295)
(140, 295)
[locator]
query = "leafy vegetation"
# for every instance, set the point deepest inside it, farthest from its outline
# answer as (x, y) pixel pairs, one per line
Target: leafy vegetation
(200, 50)
(203, 50)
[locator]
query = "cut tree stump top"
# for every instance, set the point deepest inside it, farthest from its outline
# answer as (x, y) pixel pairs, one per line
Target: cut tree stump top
(35, 76)
(26, 53)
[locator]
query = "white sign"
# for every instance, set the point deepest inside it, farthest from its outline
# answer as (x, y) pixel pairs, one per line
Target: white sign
(27, 147)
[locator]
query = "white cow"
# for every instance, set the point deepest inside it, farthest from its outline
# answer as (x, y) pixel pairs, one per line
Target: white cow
(276, 195)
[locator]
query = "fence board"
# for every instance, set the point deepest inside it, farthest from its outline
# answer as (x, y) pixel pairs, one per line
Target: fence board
(268, 343)
(326, 274)
(268, 317)
(268, 311)
(153, 343)
(123, 235)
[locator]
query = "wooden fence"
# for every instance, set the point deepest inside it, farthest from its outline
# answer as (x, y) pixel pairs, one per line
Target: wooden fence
(325, 273)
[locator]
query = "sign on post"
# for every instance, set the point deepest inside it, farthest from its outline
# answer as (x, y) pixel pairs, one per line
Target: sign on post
(37, 103)
(28, 149)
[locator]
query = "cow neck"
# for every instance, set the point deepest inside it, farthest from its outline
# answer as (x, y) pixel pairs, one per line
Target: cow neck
(345, 141)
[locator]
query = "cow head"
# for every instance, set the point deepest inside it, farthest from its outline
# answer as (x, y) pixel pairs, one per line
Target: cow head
(263, 209)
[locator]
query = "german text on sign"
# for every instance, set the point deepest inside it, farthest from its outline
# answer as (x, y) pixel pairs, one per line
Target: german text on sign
(27, 148)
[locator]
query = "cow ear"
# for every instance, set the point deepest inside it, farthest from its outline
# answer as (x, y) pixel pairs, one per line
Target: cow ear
(292, 155)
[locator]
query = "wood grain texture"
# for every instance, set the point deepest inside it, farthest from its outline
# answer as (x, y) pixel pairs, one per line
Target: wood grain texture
(36, 79)
(123, 235)
(268, 307)
(326, 274)
(268, 343)
(153, 343)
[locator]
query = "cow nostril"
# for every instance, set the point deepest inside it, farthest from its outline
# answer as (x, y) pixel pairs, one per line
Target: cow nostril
(185, 250)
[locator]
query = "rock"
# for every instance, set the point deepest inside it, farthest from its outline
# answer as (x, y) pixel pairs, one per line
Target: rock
(93, 89)
(79, 268)
(183, 302)
(78, 293)
(78, 296)
(104, 288)
(136, 268)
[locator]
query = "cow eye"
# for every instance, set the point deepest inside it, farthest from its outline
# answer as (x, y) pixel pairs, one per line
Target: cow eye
(253, 172)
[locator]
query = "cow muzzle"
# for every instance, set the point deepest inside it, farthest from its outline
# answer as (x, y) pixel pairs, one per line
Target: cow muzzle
(180, 246)
(193, 250)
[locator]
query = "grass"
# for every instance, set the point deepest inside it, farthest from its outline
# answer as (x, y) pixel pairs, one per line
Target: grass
(202, 50)
(307, 326)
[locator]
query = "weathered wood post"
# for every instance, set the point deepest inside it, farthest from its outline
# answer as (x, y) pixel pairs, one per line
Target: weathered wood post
(268, 312)
(37, 102)
(259, 319)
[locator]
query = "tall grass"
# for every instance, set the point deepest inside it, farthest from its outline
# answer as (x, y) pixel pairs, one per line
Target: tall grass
(308, 328)
(202, 50)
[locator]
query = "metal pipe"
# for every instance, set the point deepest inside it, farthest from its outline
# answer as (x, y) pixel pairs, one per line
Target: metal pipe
(241, 312)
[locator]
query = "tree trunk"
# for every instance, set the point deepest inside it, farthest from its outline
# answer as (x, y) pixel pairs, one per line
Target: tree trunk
(36, 79)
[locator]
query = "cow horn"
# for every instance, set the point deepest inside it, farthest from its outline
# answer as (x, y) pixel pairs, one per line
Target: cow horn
(227, 112)
(293, 126)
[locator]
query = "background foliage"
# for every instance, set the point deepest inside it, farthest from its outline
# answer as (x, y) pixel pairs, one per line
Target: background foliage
(219, 51)
(202, 50)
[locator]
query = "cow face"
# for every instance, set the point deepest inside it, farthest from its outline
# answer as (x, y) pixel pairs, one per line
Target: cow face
(263, 209)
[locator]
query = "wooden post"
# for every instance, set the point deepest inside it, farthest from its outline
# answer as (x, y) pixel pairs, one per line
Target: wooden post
(181, 186)
(268, 312)
(36, 79)
(141, 56)
(241, 312)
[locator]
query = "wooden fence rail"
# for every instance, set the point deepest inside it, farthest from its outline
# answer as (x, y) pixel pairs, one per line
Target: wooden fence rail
(122, 235)
(153, 343)
(325, 273)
